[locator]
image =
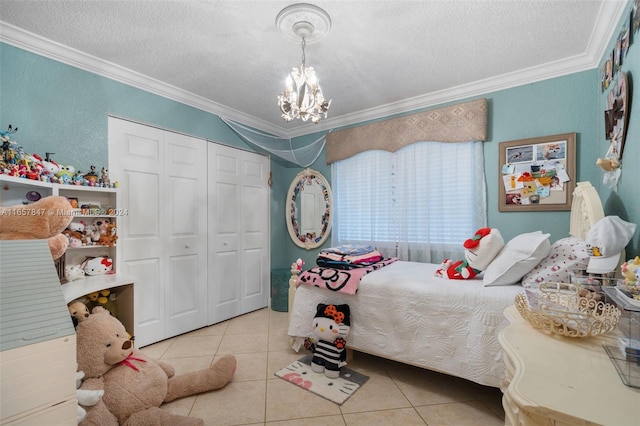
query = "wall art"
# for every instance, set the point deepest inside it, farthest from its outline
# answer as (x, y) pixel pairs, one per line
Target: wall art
(537, 174)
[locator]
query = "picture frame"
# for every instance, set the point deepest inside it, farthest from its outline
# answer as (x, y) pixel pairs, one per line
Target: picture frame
(537, 174)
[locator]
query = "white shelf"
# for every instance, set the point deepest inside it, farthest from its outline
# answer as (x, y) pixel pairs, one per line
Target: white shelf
(29, 182)
(25, 182)
(82, 188)
(94, 246)
(78, 288)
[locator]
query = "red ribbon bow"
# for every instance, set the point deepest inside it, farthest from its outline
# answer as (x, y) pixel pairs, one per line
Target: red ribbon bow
(475, 240)
(128, 364)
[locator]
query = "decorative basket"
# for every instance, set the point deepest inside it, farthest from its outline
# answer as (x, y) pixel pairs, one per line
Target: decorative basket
(556, 308)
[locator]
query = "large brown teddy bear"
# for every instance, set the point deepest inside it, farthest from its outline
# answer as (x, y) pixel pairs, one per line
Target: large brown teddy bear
(43, 220)
(135, 385)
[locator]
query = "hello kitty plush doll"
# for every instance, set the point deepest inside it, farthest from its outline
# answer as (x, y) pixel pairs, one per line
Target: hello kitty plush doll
(97, 266)
(479, 251)
(331, 325)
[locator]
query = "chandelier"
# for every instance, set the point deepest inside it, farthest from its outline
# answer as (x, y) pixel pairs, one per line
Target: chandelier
(302, 96)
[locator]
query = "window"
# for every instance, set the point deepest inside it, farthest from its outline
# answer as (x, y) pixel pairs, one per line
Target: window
(419, 203)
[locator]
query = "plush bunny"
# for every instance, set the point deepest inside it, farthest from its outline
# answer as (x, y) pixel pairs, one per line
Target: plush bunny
(73, 272)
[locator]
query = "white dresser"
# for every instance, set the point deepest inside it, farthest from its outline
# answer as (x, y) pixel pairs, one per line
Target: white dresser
(555, 380)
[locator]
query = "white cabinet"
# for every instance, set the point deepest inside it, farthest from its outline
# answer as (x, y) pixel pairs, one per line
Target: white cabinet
(189, 201)
(13, 191)
(37, 339)
(38, 383)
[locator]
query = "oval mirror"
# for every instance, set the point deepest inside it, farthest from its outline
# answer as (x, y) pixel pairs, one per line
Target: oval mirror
(308, 212)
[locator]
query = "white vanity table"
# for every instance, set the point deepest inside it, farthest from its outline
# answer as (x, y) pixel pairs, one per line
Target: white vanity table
(555, 380)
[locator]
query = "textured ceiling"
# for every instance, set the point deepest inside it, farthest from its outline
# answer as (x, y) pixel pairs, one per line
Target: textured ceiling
(378, 58)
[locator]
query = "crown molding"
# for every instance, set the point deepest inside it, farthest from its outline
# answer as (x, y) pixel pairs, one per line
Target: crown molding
(34, 43)
(465, 91)
(606, 25)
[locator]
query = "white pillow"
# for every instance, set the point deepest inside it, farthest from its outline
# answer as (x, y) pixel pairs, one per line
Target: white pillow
(566, 254)
(519, 256)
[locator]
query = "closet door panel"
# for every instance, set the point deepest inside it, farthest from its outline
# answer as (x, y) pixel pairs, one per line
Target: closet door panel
(136, 157)
(224, 238)
(227, 210)
(182, 297)
(255, 231)
(226, 292)
(186, 233)
(149, 312)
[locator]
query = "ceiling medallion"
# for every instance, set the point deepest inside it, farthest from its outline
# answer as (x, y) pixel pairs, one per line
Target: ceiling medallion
(302, 97)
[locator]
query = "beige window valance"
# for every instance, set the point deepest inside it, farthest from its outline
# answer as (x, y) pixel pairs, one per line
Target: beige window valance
(456, 123)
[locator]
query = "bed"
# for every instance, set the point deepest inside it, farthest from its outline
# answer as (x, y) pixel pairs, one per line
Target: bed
(403, 312)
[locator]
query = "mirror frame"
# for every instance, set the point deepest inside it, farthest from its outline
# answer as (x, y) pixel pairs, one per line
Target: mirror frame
(290, 209)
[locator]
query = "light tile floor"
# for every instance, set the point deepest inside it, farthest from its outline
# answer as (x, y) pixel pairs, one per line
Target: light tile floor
(395, 394)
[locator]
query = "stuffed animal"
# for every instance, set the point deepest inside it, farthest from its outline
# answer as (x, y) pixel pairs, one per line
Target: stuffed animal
(103, 299)
(73, 272)
(480, 250)
(109, 237)
(75, 237)
(44, 219)
(331, 325)
(134, 384)
(85, 397)
(78, 311)
(77, 227)
(97, 266)
(631, 270)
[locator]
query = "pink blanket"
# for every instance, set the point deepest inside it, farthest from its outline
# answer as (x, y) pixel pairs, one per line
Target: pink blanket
(340, 280)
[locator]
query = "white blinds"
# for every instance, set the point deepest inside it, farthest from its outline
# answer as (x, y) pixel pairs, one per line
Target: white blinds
(419, 203)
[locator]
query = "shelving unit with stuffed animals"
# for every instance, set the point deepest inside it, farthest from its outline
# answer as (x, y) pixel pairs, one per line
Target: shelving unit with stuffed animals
(87, 271)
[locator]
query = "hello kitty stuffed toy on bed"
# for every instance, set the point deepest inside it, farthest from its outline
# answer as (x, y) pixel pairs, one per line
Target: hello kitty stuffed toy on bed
(331, 325)
(480, 250)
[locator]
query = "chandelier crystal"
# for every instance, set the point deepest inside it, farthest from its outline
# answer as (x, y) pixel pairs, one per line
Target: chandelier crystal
(302, 96)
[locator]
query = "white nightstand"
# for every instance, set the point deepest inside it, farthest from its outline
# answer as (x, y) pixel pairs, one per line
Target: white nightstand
(555, 380)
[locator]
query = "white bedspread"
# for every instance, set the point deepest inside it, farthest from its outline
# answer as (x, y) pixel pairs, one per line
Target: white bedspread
(403, 312)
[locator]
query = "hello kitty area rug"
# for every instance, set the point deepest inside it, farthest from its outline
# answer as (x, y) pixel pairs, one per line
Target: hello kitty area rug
(335, 390)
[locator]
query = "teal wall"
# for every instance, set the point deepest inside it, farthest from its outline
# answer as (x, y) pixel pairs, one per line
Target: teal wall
(626, 201)
(62, 109)
(572, 103)
(283, 250)
(560, 105)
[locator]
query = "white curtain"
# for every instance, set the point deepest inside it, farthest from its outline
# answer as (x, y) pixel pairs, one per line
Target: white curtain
(419, 203)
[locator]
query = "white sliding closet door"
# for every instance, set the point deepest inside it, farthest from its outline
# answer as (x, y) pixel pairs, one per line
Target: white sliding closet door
(239, 259)
(163, 238)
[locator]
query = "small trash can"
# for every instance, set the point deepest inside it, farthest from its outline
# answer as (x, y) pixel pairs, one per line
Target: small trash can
(280, 289)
